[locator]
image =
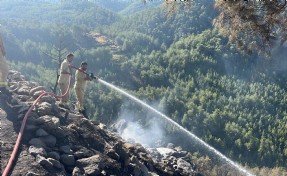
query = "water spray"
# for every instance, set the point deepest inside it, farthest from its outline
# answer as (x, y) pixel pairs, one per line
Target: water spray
(210, 148)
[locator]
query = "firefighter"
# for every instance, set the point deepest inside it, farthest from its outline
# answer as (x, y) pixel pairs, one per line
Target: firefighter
(65, 72)
(81, 79)
(3, 66)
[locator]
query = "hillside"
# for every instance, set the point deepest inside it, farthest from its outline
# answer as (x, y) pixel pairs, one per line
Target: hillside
(59, 142)
(177, 64)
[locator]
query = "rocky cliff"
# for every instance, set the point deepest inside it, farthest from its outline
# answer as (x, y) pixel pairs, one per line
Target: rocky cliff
(58, 142)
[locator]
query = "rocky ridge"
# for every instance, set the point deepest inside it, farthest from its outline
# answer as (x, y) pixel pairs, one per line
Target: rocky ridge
(59, 142)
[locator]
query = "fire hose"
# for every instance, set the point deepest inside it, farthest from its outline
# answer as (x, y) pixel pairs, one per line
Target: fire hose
(13, 155)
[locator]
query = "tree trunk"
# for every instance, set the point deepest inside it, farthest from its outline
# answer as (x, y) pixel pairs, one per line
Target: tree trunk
(56, 84)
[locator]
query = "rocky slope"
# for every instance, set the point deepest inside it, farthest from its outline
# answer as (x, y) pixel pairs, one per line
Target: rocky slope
(59, 142)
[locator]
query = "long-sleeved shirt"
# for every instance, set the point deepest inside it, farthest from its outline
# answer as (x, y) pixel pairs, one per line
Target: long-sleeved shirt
(64, 77)
(80, 80)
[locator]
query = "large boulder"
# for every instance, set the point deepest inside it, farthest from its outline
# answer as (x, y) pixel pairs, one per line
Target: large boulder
(36, 89)
(43, 161)
(49, 120)
(33, 150)
(67, 160)
(184, 166)
(96, 164)
(23, 90)
(41, 132)
(90, 165)
(44, 108)
(49, 141)
(49, 99)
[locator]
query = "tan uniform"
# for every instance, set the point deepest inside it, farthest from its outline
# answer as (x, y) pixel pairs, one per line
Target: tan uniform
(80, 87)
(3, 66)
(64, 80)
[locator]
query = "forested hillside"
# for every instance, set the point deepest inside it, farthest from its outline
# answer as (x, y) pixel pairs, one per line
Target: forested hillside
(180, 64)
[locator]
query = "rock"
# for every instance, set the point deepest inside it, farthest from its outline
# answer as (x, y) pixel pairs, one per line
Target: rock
(23, 90)
(31, 174)
(44, 108)
(49, 140)
(49, 120)
(23, 109)
(83, 153)
(90, 165)
(185, 166)
(66, 149)
(178, 148)
(37, 94)
(34, 151)
(140, 148)
(60, 132)
(143, 168)
(40, 132)
(48, 99)
(16, 76)
(152, 174)
(165, 151)
(14, 101)
(77, 172)
(32, 116)
(130, 147)
(102, 126)
(42, 160)
(134, 169)
(74, 117)
(154, 153)
(112, 154)
(95, 122)
(54, 155)
(21, 116)
(170, 146)
(31, 127)
(124, 155)
(13, 87)
(179, 154)
(36, 89)
(23, 98)
(34, 84)
(55, 163)
(68, 160)
(37, 142)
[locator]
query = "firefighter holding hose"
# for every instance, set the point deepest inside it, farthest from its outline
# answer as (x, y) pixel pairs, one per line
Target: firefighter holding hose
(81, 78)
(3, 66)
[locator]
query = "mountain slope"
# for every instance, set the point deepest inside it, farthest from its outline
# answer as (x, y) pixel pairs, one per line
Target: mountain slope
(59, 142)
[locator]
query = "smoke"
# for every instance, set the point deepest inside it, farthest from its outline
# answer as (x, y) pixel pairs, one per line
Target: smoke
(142, 127)
(146, 136)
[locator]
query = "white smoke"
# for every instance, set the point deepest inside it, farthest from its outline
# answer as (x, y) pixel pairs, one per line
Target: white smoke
(147, 130)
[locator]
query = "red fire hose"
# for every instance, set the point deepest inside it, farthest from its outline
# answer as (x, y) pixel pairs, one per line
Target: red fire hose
(12, 157)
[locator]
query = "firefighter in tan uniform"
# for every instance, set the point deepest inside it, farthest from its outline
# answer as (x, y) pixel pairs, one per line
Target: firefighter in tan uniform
(65, 72)
(81, 79)
(3, 66)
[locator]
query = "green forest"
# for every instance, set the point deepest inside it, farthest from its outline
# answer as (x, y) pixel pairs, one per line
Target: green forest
(179, 63)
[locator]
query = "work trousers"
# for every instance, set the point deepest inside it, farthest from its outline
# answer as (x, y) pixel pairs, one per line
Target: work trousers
(3, 71)
(80, 93)
(63, 88)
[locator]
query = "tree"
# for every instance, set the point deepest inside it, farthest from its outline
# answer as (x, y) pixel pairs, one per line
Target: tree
(254, 26)
(57, 53)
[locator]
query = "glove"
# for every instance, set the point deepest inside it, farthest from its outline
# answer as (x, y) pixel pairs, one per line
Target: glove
(91, 75)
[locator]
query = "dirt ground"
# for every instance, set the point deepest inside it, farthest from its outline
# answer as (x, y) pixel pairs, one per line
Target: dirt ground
(9, 128)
